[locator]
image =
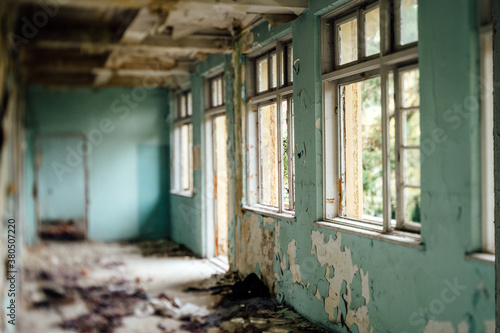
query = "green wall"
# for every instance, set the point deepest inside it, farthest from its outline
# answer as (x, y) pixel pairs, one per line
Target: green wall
(128, 169)
(350, 283)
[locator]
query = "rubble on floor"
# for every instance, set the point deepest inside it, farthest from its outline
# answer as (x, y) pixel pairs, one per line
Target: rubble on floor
(108, 288)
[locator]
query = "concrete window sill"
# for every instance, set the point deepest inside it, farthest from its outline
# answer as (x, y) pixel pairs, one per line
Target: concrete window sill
(395, 237)
(270, 212)
(186, 194)
(481, 257)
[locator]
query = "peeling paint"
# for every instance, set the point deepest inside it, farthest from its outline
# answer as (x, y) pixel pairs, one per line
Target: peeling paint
(331, 253)
(294, 268)
(439, 327)
(318, 124)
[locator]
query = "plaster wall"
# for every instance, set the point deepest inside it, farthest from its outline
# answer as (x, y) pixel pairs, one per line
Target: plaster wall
(127, 159)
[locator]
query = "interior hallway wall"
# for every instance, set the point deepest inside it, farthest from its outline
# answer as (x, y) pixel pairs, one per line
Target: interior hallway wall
(188, 216)
(127, 154)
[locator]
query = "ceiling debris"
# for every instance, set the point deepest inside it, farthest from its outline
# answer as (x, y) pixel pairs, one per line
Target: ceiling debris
(118, 42)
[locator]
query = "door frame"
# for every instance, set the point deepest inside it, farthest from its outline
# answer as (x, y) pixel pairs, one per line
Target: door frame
(37, 162)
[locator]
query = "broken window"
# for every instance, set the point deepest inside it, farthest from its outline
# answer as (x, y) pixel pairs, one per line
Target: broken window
(270, 157)
(182, 166)
(372, 119)
(487, 163)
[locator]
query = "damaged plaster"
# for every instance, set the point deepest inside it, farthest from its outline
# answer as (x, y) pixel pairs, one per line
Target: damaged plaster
(340, 273)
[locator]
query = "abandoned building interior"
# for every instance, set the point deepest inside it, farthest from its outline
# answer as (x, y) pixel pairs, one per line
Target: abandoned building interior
(342, 151)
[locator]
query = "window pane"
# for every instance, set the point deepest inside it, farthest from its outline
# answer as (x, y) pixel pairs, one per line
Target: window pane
(189, 104)
(185, 156)
(412, 202)
(262, 75)
(412, 127)
(372, 32)
(284, 147)
(363, 148)
(213, 88)
(290, 63)
(268, 155)
(408, 12)
(274, 71)
(283, 66)
(347, 41)
(412, 166)
(220, 92)
(410, 89)
(183, 106)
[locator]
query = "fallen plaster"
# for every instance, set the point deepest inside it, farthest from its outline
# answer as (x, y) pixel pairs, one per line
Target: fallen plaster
(489, 326)
(340, 272)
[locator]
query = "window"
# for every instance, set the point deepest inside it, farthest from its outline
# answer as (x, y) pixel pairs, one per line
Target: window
(271, 170)
(182, 168)
(372, 118)
(486, 78)
(216, 91)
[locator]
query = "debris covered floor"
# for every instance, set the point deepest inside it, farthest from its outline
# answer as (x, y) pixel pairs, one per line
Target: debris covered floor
(155, 286)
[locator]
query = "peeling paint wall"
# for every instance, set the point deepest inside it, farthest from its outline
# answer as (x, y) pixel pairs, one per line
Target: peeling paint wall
(351, 283)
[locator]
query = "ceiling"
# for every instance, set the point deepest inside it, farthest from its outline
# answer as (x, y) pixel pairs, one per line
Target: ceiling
(101, 43)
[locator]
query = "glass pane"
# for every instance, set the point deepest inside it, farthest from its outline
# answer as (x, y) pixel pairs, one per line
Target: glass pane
(348, 41)
(408, 12)
(220, 92)
(372, 32)
(183, 106)
(410, 88)
(190, 104)
(213, 89)
(412, 166)
(268, 154)
(185, 156)
(412, 127)
(412, 196)
(284, 147)
(392, 134)
(262, 79)
(274, 71)
(290, 63)
(282, 68)
(363, 148)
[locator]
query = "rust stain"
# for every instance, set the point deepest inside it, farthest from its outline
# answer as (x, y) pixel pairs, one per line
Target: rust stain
(330, 201)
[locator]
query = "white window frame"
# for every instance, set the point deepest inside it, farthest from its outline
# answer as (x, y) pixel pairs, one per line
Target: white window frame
(487, 151)
(392, 58)
(283, 92)
(183, 111)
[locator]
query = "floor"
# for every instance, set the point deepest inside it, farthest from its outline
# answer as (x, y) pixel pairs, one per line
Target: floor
(155, 286)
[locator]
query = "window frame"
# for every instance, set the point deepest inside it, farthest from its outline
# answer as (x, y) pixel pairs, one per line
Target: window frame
(274, 95)
(487, 145)
(390, 59)
(182, 100)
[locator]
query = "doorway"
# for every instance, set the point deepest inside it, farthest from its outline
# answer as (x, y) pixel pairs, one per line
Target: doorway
(217, 189)
(61, 178)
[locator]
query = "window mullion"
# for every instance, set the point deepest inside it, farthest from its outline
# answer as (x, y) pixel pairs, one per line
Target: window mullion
(280, 154)
(291, 156)
(361, 35)
(259, 165)
(385, 29)
(341, 139)
(400, 202)
(386, 151)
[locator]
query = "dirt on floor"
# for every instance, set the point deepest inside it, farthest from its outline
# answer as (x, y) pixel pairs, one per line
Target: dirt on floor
(153, 286)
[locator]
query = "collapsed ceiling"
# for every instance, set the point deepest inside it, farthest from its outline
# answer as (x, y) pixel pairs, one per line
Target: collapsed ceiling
(100, 43)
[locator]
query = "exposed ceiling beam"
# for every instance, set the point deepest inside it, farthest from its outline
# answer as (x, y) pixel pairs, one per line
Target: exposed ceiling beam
(252, 6)
(202, 44)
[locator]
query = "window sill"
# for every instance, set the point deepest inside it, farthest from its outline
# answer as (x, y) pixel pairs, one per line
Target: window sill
(270, 212)
(481, 257)
(186, 194)
(396, 237)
